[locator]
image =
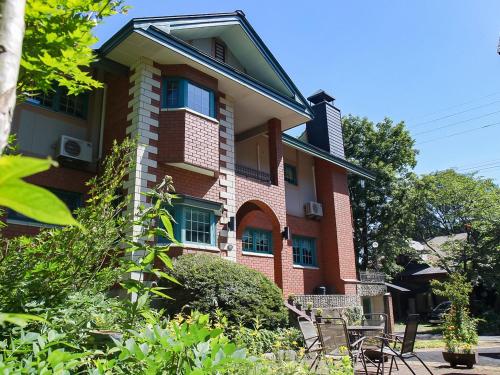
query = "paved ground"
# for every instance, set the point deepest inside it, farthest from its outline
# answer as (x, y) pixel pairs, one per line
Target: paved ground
(489, 362)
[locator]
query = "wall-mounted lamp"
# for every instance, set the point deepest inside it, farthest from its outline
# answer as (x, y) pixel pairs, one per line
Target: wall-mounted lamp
(231, 223)
(286, 234)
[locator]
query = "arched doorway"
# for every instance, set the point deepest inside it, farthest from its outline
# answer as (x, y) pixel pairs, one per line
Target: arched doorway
(256, 226)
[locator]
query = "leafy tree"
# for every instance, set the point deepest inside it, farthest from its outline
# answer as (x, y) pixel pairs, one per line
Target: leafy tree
(447, 203)
(380, 211)
(56, 51)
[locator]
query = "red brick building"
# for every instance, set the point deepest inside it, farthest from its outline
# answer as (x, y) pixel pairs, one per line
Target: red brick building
(210, 104)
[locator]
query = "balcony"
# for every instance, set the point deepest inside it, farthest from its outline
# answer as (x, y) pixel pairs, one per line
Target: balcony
(252, 173)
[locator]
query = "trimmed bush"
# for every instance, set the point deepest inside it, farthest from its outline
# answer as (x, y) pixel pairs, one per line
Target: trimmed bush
(210, 283)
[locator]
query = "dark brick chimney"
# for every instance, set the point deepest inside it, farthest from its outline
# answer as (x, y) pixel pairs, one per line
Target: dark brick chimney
(325, 129)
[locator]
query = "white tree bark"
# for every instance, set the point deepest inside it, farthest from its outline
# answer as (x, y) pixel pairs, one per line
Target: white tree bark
(11, 42)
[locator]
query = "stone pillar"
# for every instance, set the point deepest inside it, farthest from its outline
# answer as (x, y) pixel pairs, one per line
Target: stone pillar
(144, 109)
(227, 179)
(275, 150)
(388, 309)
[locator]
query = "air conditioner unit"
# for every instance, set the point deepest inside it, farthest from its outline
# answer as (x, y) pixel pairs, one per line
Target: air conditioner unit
(74, 148)
(313, 209)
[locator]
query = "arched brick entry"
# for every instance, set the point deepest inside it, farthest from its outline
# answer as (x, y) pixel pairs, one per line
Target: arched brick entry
(257, 214)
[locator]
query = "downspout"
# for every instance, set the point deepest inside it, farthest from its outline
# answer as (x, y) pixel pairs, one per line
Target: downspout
(102, 121)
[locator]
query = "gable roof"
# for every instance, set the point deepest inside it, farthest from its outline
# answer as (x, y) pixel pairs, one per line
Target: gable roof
(261, 66)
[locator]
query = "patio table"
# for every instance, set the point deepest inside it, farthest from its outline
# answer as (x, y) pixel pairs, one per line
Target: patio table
(361, 329)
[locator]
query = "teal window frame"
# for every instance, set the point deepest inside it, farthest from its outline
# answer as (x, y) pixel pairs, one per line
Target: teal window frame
(290, 172)
(252, 236)
(183, 97)
(72, 199)
(304, 248)
(179, 213)
(53, 100)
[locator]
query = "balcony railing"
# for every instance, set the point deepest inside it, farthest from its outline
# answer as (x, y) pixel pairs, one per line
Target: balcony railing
(371, 277)
(252, 173)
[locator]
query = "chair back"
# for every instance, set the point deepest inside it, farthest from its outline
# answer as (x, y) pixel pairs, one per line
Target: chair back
(375, 319)
(410, 333)
(334, 336)
(310, 334)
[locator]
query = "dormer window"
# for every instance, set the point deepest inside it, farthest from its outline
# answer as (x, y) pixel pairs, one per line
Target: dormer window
(220, 51)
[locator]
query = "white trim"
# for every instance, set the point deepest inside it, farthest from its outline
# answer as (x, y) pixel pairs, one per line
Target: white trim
(251, 253)
(30, 224)
(298, 266)
(192, 111)
(189, 57)
(197, 247)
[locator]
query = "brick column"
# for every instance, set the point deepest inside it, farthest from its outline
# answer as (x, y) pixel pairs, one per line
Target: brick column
(275, 150)
(227, 238)
(338, 258)
(144, 107)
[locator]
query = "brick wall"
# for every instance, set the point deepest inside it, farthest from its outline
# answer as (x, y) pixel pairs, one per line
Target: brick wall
(305, 280)
(188, 138)
(338, 248)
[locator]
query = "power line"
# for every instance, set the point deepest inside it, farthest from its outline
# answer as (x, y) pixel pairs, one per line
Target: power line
(478, 164)
(457, 123)
(454, 106)
(482, 169)
(453, 114)
(459, 133)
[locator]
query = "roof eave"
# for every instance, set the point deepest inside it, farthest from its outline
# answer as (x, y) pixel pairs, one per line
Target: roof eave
(317, 152)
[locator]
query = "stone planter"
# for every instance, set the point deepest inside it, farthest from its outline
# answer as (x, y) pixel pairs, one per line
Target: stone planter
(464, 359)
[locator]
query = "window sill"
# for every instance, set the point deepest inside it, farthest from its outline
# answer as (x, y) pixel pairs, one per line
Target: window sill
(252, 254)
(192, 112)
(198, 247)
(29, 224)
(298, 266)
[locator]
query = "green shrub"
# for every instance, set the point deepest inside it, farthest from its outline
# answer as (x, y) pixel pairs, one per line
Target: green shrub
(260, 341)
(46, 268)
(489, 323)
(209, 283)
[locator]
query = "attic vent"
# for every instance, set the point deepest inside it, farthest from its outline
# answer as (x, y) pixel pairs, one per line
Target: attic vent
(220, 51)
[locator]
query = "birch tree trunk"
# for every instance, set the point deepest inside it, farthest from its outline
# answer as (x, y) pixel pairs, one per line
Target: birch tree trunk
(11, 42)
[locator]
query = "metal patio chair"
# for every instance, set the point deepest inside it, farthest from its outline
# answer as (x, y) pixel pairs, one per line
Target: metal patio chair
(311, 338)
(335, 341)
(407, 345)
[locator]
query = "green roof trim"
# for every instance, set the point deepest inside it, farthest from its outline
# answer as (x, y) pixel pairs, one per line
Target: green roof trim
(146, 27)
(187, 200)
(322, 154)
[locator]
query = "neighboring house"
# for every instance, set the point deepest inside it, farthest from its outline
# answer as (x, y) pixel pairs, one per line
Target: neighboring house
(209, 104)
(411, 291)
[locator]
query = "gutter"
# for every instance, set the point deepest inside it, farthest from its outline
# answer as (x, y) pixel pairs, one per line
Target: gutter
(322, 154)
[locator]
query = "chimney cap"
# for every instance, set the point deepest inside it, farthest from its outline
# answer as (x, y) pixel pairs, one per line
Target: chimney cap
(320, 96)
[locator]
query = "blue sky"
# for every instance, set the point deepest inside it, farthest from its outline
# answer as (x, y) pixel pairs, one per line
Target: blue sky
(430, 63)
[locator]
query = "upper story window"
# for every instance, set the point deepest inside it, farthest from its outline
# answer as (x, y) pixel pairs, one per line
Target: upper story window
(72, 199)
(220, 51)
(257, 241)
(181, 93)
(304, 251)
(60, 101)
(291, 174)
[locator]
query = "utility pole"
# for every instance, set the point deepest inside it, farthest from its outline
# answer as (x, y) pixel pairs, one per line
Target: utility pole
(498, 47)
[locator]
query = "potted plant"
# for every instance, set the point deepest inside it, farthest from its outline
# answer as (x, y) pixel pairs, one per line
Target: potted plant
(298, 305)
(318, 314)
(291, 299)
(459, 328)
(309, 307)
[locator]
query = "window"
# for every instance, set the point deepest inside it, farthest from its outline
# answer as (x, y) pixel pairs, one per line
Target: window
(220, 51)
(304, 251)
(257, 241)
(72, 199)
(193, 225)
(290, 174)
(60, 101)
(180, 93)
